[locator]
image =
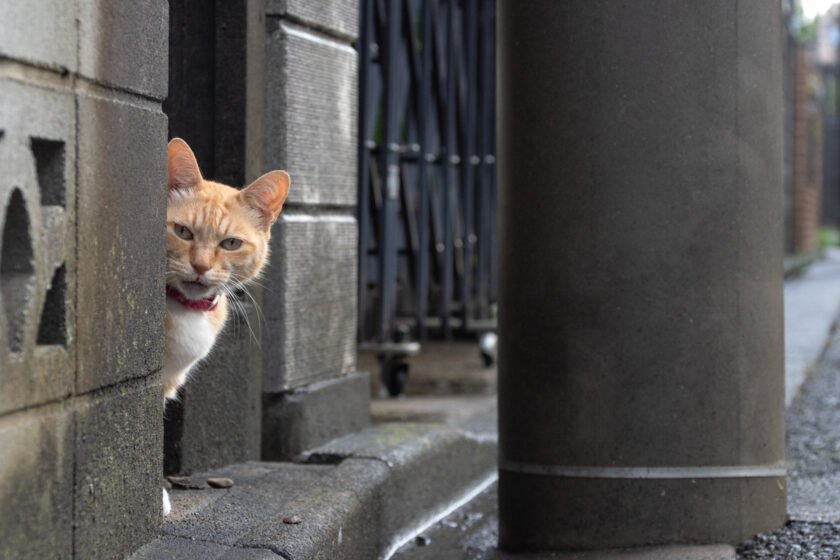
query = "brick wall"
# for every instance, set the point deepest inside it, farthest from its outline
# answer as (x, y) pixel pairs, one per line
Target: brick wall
(82, 169)
(807, 155)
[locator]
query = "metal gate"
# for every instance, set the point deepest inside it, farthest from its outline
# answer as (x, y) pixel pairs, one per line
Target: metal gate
(427, 188)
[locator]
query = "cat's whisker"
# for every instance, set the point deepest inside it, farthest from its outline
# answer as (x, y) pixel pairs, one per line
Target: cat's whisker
(239, 309)
(260, 316)
(242, 311)
(242, 280)
(232, 302)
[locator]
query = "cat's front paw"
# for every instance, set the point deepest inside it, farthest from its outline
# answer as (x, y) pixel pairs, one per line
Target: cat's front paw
(167, 506)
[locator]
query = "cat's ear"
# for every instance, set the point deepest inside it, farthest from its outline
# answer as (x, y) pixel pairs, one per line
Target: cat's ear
(266, 195)
(181, 167)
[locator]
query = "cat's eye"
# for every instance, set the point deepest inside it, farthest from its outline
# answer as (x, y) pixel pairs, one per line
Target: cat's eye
(183, 232)
(231, 244)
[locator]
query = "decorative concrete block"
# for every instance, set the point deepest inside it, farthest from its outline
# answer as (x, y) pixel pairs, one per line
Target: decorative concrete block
(36, 466)
(310, 301)
(122, 206)
(217, 421)
(30, 35)
(118, 471)
(125, 44)
(340, 17)
(313, 415)
(37, 249)
(311, 115)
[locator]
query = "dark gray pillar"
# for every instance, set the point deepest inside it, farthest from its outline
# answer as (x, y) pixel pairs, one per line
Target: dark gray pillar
(641, 339)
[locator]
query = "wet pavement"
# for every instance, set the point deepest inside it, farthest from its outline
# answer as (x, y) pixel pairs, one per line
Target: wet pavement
(441, 369)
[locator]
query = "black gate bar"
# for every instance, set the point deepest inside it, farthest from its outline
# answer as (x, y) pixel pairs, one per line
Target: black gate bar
(426, 168)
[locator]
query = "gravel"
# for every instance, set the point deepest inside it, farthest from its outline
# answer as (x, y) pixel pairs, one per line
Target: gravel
(813, 443)
(797, 539)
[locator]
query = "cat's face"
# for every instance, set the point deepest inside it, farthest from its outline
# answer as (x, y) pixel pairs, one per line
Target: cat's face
(216, 236)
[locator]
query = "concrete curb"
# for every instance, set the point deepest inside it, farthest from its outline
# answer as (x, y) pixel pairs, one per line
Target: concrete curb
(359, 496)
(797, 264)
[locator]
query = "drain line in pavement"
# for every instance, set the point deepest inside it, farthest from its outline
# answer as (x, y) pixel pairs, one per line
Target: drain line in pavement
(403, 537)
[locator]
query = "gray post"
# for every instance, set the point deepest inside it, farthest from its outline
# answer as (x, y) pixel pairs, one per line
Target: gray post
(641, 384)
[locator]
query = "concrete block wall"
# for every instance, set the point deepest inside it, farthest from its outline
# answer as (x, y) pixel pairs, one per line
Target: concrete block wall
(309, 339)
(82, 169)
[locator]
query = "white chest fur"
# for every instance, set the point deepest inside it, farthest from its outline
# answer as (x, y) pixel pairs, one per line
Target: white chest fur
(189, 338)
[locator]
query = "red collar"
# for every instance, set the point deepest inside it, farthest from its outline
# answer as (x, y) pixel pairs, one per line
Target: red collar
(206, 304)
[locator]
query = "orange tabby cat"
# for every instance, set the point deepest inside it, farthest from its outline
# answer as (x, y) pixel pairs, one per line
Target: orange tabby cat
(216, 241)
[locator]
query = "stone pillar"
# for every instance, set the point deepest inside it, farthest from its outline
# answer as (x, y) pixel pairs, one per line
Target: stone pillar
(82, 200)
(311, 391)
(641, 385)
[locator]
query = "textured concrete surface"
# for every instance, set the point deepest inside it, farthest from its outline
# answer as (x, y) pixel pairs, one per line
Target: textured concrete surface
(37, 240)
(36, 492)
(311, 114)
(125, 44)
(812, 303)
(657, 335)
(123, 149)
(118, 467)
(310, 303)
(217, 421)
(26, 34)
(357, 497)
(339, 17)
(313, 415)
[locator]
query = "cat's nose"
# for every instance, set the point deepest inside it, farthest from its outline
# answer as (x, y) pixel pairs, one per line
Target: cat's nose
(200, 268)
